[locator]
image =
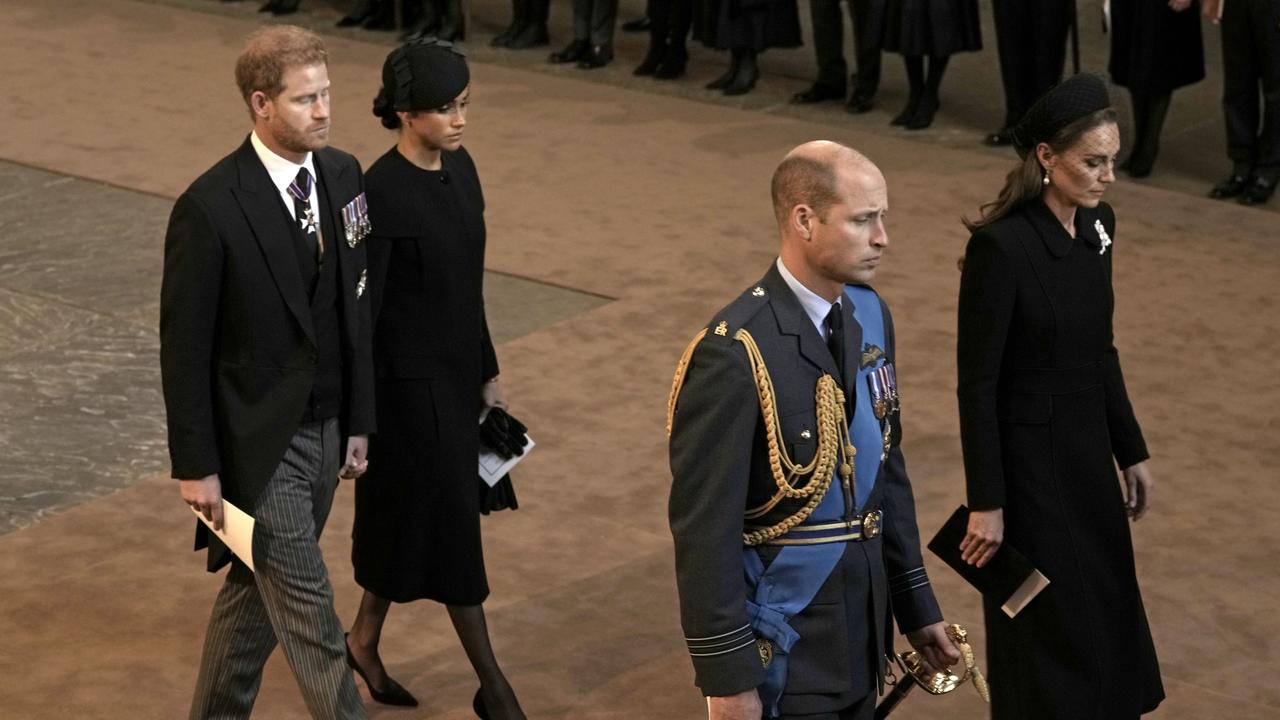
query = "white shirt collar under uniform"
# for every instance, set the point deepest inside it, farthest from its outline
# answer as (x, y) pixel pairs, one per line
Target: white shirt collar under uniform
(815, 306)
(284, 171)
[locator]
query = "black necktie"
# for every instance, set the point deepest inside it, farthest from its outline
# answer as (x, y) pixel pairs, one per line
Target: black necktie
(300, 191)
(835, 340)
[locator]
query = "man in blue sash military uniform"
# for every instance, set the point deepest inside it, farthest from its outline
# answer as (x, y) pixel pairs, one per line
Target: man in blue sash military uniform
(792, 514)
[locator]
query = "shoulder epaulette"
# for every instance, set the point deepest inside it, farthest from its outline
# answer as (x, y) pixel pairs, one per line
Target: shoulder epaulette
(722, 328)
(736, 314)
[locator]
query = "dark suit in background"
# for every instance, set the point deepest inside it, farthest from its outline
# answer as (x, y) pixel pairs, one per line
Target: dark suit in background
(828, 44)
(1154, 51)
(720, 467)
(1031, 37)
(1251, 87)
(267, 368)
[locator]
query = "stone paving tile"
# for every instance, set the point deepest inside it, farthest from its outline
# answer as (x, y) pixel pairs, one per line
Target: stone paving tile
(80, 273)
(83, 418)
(83, 243)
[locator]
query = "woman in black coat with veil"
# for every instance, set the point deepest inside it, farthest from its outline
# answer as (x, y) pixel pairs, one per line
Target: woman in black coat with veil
(1045, 420)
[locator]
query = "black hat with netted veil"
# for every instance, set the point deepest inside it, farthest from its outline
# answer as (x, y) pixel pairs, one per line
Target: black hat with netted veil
(1076, 97)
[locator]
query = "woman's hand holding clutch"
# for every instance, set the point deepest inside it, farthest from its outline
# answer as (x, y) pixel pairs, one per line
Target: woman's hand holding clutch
(985, 533)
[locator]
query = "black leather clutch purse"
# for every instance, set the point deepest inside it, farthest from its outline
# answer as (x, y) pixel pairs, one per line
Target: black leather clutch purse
(506, 436)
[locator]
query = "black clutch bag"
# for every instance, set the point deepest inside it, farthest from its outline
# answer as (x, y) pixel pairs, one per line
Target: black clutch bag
(506, 436)
(1008, 578)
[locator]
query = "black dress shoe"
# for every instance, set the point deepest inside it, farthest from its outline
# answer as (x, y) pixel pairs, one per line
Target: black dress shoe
(999, 138)
(673, 62)
(816, 94)
(362, 12)
(478, 706)
(426, 27)
(923, 116)
(393, 694)
(1138, 168)
(652, 59)
(383, 19)
(280, 7)
(1229, 188)
(908, 112)
(573, 52)
(744, 82)
(505, 37)
(723, 81)
(533, 35)
(1258, 191)
(597, 57)
(860, 102)
(640, 24)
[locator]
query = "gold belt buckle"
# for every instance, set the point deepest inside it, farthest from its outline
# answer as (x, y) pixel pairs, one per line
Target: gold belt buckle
(871, 524)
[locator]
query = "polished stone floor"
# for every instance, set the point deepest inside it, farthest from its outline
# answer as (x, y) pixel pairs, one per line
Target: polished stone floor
(79, 349)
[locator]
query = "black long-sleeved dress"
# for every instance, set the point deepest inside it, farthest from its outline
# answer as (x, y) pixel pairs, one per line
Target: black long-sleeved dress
(1044, 419)
(417, 526)
(932, 27)
(1154, 49)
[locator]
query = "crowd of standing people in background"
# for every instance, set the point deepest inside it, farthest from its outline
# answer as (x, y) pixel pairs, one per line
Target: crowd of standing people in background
(1156, 48)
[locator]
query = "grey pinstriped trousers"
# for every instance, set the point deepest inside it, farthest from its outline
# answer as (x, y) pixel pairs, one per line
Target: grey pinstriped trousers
(288, 600)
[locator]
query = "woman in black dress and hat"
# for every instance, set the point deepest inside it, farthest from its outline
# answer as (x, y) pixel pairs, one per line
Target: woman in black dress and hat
(1156, 48)
(1045, 420)
(417, 528)
(933, 29)
(746, 28)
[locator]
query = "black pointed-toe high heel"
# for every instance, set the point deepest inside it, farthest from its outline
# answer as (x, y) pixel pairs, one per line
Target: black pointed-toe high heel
(394, 694)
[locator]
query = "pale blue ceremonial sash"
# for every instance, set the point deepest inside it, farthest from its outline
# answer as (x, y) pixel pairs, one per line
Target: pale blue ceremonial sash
(794, 577)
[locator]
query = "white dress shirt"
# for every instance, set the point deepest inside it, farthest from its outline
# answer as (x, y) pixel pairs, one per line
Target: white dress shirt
(283, 172)
(815, 306)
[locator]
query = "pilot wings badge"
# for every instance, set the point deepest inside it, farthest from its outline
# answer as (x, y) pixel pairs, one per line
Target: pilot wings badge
(870, 355)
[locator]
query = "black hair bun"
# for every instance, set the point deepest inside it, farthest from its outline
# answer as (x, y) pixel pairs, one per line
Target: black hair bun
(383, 109)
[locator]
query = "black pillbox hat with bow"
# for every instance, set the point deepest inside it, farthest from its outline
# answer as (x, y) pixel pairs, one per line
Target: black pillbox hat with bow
(425, 74)
(1076, 97)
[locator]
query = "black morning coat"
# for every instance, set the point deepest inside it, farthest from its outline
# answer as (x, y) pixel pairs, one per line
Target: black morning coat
(237, 352)
(1044, 420)
(719, 465)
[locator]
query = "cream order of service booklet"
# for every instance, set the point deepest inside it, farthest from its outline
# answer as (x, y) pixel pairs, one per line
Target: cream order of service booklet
(236, 532)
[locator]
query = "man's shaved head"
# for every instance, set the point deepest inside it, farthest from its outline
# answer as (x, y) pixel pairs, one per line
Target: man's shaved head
(809, 175)
(831, 202)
